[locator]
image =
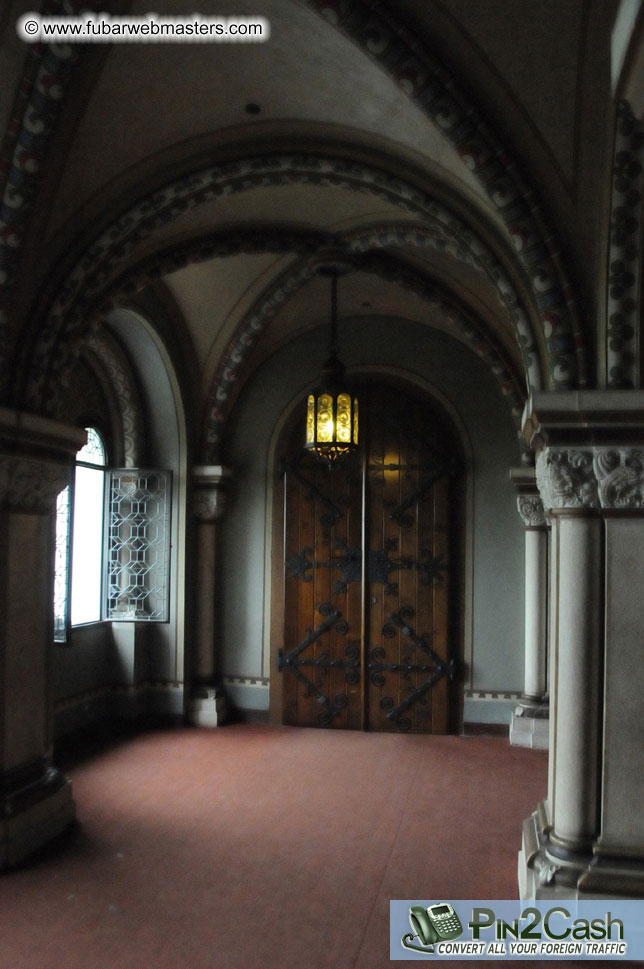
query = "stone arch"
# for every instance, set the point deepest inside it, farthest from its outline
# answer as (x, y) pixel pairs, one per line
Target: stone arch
(435, 89)
(624, 294)
(89, 279)
(462, 322)
(361, 243)
(125, 390)
(428, 82)
(46, 75)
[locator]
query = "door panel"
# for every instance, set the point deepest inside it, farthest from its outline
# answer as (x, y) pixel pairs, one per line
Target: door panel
(323, 596)
(367, 577)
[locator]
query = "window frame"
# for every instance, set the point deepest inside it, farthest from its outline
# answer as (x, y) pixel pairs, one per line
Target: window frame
(63, 626)
(103, 469)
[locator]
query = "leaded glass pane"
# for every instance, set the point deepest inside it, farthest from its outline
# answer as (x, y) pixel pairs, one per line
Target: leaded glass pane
(94, 451)
(325, 419)
(138, 545)
(310, 419)
(343, 422)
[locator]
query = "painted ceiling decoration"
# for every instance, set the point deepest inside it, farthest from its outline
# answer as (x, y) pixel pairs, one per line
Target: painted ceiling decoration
(437, 91)
(40, 96)
(39, 100)
(428, 84)
(625, 255)
(462, 324)
(524, 267)
(124, 387)
(98, 268)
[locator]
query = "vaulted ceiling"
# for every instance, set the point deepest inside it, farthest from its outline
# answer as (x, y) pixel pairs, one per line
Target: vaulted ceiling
(442, 145)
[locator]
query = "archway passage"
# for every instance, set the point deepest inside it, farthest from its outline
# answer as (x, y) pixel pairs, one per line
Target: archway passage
(371, 561)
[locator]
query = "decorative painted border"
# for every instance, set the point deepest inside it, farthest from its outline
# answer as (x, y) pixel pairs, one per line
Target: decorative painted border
(492, 695)
(122, 381)
(427, 82)
(625, 251)
(246, 680)
(361, 243)
(260, 315)
(50, 359)
(384, 38)
(40, 96)
(447, 235)
(468, 694)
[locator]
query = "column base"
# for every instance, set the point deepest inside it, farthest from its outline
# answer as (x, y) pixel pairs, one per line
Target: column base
(207, 708)
(530, 725)
(547, 872)
(33, 816)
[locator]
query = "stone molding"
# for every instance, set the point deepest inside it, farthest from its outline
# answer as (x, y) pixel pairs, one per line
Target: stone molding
(625, 249)
(531, 511)
(28, 484)
(123, 383)
(36, 460)
(620, 476)
(565, 478)
(610, 478)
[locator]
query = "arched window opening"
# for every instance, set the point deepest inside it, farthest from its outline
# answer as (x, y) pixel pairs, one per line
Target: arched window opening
(112, 552)
(87, 533)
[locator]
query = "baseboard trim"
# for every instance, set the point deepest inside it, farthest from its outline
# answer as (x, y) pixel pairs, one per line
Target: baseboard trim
(238, 715)
(486, 729)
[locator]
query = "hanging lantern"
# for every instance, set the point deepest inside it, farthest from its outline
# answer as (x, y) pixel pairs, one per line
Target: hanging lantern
(332, 410)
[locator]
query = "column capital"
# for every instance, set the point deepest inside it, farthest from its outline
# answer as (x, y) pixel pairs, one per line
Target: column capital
(589, 448)
(607, 478)
(620, 476)
(36, 458)
(531, 511)
(529, 503)
(566, 479)
(209, 495)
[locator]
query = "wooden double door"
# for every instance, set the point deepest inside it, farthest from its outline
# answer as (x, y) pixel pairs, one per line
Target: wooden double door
(367, 582)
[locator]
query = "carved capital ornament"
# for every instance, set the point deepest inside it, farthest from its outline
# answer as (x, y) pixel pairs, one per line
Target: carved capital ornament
(565, 478)
(30, 484)
(610, 478)
(209, 504)
(620, 476)
(531, 511)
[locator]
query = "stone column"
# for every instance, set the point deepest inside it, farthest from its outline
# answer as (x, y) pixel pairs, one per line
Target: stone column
(529, 726)
(36, 461)
(618, 851)
(587, 839)
(208, 702)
